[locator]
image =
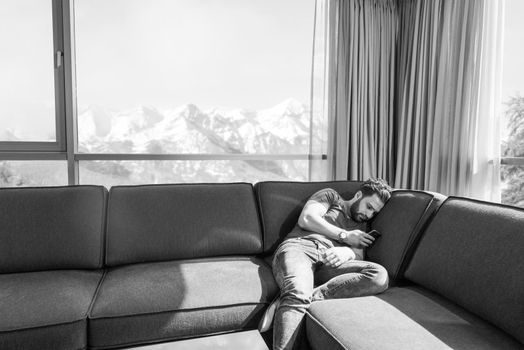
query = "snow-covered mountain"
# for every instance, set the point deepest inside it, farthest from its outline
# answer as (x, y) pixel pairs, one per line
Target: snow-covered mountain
(188, 129)
(282, 129)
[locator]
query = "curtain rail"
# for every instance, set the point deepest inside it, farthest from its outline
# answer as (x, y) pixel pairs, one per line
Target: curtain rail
(214, 156)
(25, 156)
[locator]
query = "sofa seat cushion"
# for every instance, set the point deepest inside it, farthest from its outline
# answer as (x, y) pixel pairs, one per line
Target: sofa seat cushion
(400, 318)
(159, 301)
(46, 310)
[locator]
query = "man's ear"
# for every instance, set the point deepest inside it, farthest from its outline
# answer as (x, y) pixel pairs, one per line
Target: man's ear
(357, 195)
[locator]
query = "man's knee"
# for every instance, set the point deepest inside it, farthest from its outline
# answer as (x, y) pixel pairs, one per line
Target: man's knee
(295, 300)
(296, 291)
(379, 277)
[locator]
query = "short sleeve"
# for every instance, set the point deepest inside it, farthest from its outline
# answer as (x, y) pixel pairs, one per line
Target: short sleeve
(327, 195)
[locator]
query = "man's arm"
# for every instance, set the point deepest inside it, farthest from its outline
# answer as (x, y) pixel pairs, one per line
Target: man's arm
(311, 219)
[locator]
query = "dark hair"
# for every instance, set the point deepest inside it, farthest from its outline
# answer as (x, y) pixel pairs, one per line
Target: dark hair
(376, 186)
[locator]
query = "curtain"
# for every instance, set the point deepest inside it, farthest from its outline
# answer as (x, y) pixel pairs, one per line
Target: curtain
(447, 96)
(321, 122)
(353, 88)
(485, 182)
(363, 96)
(409, 91)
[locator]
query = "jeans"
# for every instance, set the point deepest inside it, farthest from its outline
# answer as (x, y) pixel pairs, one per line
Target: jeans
(298, 267)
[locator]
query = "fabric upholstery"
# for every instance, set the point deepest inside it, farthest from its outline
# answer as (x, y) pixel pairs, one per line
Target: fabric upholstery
(471, 253)
(401, 318)
(107, 333)
(172, 300)
(281, 202)
(65, 336)
(51, 228)
(46, 309)
(165, 222)
(401, 222)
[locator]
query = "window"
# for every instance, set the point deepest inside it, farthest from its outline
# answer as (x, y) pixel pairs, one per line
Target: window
(30, 118)
(32, 134)
(214, 90)
(134, 91)
(512, 167)
(133, 172)
(33, 173)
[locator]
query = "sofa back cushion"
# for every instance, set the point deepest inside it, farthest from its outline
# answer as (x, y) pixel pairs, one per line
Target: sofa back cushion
(281, 202)
(178, 221)
(401, 221)
(471, 253)
(49, 228)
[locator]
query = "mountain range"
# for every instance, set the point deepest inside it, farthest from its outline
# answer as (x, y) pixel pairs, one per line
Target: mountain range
(282, 129)
(188, 129)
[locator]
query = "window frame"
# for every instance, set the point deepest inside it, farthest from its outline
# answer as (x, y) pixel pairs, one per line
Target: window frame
(66, 145)
(46, 150)
(512, 161)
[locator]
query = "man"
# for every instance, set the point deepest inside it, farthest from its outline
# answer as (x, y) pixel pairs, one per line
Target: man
(325, 248)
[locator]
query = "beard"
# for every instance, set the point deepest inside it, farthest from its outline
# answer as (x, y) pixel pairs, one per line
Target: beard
(353, 211)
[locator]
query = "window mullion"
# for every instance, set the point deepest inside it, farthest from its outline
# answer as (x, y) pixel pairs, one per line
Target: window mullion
(70, 90)
(58, 45)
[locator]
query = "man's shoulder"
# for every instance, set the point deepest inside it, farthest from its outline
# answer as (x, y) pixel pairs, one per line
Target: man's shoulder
(327, 190)
(326, 195)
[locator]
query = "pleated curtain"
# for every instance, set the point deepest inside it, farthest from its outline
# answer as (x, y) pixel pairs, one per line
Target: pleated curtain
(352, 98)
(362, 90)
(409, 92)
(447, 88)
(321, 106)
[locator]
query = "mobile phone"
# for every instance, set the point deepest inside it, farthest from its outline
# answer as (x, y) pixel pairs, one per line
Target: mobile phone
(375, 234)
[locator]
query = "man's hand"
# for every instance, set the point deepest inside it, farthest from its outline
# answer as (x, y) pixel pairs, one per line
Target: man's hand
(358, 239)
(336, 256)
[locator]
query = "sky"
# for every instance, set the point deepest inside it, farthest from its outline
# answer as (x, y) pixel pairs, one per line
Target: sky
(26, 68)
(513, 55)
(249, 54)
(213, 53)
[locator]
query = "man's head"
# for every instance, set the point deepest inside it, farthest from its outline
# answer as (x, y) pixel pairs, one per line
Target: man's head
(370, 199)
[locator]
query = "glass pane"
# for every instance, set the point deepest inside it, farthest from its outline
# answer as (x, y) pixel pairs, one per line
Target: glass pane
(26, 71)
(212, 76)
(512, 184)
(512, 176)
(111, 173)
(33, 173)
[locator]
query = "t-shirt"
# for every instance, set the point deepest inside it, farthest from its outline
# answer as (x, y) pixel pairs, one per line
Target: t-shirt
(337, 214)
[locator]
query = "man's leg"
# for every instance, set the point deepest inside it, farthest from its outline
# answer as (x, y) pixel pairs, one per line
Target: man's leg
(293, 267)
(354, 278)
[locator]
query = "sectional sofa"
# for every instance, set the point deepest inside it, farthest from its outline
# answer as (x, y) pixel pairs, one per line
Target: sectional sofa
(86, 268)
